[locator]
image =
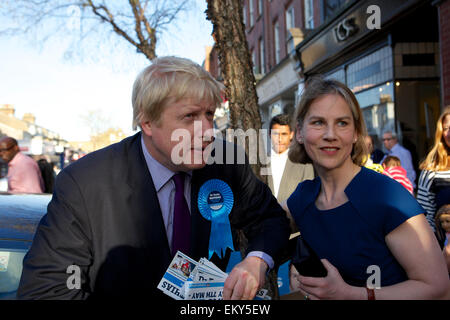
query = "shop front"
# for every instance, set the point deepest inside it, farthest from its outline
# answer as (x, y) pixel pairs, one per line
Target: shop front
(393, 70)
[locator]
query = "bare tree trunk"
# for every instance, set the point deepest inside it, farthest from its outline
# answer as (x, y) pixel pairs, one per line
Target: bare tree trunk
(236, 65)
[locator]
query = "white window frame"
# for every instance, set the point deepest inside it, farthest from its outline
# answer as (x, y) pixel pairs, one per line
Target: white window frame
(255, 65)
(251, 12)
(290, 18)
(309, 14)
(276, 36)
(262, 66)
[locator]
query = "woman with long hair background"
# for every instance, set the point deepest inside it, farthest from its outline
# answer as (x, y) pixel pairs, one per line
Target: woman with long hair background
(434, 181)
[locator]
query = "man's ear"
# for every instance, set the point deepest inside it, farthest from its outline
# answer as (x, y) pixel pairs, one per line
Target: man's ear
(146, 127)
(291, 135)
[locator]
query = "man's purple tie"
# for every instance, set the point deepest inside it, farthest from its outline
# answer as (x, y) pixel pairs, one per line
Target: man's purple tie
(181, 218)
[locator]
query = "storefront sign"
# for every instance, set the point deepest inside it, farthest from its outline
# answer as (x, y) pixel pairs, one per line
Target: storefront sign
(345, 29)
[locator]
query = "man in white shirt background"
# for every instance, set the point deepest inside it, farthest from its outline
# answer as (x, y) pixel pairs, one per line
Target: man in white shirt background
(390, 142)
(285, 175)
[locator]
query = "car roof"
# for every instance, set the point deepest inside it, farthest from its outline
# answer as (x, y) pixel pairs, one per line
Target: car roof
(20, 214)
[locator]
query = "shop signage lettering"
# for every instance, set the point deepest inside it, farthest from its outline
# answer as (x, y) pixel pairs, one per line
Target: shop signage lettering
(345, 29)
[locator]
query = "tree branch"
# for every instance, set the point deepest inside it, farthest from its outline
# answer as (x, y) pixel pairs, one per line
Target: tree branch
(110, 19)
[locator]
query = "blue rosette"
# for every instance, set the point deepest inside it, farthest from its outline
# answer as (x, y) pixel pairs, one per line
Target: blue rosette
(215, 201)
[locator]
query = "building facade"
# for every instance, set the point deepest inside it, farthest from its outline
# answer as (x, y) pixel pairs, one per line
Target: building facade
(32, 138)
(388, 53)
(393, 54)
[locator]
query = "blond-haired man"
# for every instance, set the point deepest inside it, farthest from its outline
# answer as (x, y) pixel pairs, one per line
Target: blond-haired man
(121, 213)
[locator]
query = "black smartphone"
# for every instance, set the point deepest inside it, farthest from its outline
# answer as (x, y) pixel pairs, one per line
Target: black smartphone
(307, 262)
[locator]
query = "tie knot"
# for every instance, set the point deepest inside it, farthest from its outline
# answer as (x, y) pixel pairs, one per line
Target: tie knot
(178, 179)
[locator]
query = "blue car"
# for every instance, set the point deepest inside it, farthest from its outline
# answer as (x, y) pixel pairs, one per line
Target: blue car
(19, 217)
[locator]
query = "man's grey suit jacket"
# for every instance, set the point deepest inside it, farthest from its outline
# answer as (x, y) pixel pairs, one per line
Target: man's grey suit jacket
(293, 174)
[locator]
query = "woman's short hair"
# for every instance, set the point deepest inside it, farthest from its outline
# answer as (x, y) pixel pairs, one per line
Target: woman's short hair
(168, 80)
(438, 157)
(315, 88)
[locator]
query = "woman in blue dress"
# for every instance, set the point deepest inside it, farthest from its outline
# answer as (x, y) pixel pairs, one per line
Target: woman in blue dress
(369, 232)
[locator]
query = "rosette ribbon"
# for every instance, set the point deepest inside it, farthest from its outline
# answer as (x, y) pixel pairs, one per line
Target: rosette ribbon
(215, 201)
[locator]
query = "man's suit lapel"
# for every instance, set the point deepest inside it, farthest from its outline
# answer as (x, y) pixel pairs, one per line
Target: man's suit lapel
(143, 200)
(288, 175)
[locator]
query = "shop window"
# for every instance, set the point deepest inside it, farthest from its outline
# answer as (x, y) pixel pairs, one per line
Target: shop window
(338, 75)
(377, 95)
(378, 108)
(370, 70)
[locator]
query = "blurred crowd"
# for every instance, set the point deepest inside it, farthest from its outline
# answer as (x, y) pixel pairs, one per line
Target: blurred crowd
(21, 173)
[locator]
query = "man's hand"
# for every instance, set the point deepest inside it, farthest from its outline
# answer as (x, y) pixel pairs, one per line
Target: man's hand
(245, 279)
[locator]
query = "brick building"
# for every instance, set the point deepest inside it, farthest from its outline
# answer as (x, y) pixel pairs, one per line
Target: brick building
(393, 54)
(274, 28)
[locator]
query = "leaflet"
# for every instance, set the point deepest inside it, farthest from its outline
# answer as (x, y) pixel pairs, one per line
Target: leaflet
(176, 275)
(186, 279)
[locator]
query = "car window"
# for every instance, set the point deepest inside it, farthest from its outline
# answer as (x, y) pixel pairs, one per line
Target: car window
(10, 271)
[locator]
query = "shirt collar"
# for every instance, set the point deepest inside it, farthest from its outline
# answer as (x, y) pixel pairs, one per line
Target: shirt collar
(283, 154)
(160, 174)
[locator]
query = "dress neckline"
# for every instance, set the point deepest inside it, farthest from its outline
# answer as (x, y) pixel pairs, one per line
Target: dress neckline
(332, 210)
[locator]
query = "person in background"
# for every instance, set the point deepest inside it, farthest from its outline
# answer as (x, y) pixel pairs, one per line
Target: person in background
(434, 181)
(285, 175)
(122, 213)
(390, 142)
(352, 217)
(375, 154)
(442, 222)
(48, 175)
(23, 175)
(393, 169)
(369, 163)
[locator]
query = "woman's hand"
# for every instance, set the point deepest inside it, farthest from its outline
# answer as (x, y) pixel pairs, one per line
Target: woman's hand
(294, 284)
(330, 287)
